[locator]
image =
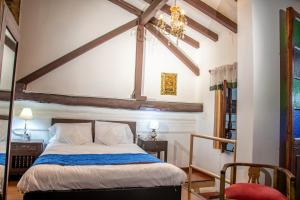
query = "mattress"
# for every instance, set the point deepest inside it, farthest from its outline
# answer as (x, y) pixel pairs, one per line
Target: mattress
(56, 177)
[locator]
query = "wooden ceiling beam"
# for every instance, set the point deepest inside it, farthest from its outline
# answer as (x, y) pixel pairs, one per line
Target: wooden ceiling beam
(108, 102)
(150, 12)
(15, 7)
(202, 29)
(132, 9)
(5, 95)
(139, 62)
(127, 6)
(77, 52)
(179, 54)
(214, 14)
(192, 24)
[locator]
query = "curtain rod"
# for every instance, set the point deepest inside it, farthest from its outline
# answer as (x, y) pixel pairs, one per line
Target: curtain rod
(235, 63)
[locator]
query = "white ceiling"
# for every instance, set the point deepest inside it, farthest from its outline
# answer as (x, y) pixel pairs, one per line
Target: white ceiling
(226, 7)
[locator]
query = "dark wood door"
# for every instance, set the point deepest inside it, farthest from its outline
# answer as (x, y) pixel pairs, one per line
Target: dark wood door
(290, 93)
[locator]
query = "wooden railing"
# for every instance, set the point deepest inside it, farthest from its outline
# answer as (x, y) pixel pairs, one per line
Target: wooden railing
(191, 166)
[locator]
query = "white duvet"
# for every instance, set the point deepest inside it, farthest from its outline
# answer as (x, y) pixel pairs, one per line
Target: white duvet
(2, 167)
(56, 177)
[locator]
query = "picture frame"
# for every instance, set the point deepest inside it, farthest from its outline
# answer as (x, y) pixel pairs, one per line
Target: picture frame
(168, 84)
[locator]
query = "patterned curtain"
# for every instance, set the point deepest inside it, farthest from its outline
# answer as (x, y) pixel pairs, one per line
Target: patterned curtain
(221, 77)
(223, 73)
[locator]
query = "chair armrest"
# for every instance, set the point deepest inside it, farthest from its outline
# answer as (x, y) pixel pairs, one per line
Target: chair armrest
(223, 179)
(226, 166)
(290, 183)
(288, 174)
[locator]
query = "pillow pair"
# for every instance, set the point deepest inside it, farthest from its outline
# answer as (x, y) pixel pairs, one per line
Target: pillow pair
(107, 133)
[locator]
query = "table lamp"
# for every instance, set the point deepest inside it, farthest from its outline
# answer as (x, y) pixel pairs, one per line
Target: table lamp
(154, 125)
(26, 114)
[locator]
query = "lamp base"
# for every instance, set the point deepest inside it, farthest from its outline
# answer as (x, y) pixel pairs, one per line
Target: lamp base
(26, 136)
(153, 135)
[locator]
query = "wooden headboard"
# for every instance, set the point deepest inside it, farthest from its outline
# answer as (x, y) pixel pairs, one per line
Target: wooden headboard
(132, 125)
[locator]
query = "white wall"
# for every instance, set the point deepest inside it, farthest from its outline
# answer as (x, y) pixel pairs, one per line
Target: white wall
(259, 79)
(106, 71)
(245, 82)
(159, 59)
(267, 59)
(212, 55)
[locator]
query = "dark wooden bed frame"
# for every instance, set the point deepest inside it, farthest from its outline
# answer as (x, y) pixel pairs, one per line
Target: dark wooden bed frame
(136, 193)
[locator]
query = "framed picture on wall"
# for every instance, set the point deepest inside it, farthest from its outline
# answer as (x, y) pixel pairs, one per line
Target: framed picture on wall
(168, 84)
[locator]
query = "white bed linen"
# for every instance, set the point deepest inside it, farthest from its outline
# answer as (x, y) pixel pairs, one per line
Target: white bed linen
(56, 177)
(2, 167)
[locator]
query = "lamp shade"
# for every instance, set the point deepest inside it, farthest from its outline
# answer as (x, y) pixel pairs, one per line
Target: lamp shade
(26, 114)
(154, 124)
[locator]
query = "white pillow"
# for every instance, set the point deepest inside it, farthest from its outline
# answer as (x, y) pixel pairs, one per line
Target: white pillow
(52, 131)
(74, 133)
(52, 140)
(111, 133)
(3, 129)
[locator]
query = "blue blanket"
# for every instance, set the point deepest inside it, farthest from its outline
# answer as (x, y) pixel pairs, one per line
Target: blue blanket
(95, 159)
(2, 158)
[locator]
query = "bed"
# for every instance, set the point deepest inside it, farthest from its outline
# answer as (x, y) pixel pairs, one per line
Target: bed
(134, 181)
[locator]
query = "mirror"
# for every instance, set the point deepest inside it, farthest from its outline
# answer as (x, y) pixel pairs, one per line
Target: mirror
(6, 82)
(6, 87)
(7, 68)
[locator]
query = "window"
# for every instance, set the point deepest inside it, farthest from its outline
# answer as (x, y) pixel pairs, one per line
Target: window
(230, 117)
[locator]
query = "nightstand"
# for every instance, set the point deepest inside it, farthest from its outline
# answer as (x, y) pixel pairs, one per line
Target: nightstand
(22, 155)
(154, 146)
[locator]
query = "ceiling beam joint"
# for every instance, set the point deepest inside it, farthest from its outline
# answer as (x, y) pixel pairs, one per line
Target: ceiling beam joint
(123, 4)
(150, 12)
(192, 24)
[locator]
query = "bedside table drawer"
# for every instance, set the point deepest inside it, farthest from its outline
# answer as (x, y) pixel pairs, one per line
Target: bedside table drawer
(26, 147)
(154, 146)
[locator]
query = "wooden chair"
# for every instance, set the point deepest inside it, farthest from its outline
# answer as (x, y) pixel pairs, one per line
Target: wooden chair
(253, 190)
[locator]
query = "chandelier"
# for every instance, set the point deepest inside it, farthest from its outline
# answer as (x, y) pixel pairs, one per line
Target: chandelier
(178, 23)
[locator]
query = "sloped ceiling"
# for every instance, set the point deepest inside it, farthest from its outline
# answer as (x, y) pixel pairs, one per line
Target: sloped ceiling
(226, 7)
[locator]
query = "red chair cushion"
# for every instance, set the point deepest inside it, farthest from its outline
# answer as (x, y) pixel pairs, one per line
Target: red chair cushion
(250, 191)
